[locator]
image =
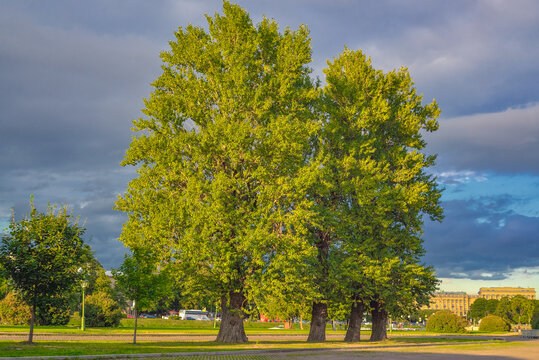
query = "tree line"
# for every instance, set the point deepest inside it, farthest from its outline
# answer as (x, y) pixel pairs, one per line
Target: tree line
(516, 310)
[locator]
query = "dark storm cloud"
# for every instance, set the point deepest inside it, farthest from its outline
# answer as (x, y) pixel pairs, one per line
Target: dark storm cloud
(73, 75)
(480, 240)
(504, 142)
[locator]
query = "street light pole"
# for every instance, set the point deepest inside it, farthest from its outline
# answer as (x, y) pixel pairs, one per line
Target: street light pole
(82, 322)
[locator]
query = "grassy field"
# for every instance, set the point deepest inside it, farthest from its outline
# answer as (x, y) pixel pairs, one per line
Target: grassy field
(160, 326)
(65, 348)
(10, 348)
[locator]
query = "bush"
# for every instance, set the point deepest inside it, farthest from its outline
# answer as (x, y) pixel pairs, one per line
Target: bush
(102, 311)
(494, 323)
(55, 312)
(535, 321)
(13, 311)
(446, 322)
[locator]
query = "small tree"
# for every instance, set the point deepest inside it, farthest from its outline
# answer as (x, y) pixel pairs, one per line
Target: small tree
(102, 310)
(522, 309)
(492, 305)
(494, 323)
(478, 309)
(535, 321)
(505, 310)
(142, 281)
(13, 311)
(446, 322)
(41, 254)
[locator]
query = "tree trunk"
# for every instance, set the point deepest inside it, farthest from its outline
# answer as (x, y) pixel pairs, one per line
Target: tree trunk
(231, 329)
(289, 324)
(317, 333)
(353, 332)
(379, 321)
(32, 322)
(135, 333)
(301, 321)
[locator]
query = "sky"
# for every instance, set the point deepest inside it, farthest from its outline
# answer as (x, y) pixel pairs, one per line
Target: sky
(73, 76)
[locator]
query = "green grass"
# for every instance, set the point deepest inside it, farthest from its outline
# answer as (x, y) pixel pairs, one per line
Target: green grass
(75, 348)
(146, 326)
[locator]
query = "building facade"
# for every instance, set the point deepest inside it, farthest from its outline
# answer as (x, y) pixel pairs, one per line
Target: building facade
(500, 292)
(456, 302)
(459, 302)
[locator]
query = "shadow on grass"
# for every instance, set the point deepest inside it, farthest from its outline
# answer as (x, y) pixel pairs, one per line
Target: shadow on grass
(76, 348)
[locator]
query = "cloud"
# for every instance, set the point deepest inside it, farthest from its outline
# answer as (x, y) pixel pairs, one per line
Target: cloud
(459, 177)
(480, 239)
(503, 142)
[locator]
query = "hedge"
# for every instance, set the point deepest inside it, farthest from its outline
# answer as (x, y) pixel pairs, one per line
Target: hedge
(494, 323)
(446, 322)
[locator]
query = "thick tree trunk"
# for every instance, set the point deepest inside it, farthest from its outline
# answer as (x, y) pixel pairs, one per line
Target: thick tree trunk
(317, 333)
(353, 332)
(32, 322)
(231, 329)
(135, 332)
(379, 321)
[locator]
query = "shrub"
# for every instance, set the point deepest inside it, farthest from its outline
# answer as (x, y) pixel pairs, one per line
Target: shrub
(102, 311)
(445, 322)
(535, 321)
(54, 312)
(13, 311)
(74, 319)
(494, 323)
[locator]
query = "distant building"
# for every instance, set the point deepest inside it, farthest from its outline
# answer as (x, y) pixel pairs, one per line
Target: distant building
(459, 302)
(500, 292)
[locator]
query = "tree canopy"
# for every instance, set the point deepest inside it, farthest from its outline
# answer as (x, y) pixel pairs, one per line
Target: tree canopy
(260, 185)
(223, 142)
(41, 254)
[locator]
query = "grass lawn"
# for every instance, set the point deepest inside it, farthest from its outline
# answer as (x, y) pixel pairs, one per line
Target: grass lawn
(64, 348)
(146, 326)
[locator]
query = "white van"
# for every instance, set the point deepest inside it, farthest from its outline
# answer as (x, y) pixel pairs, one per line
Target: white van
(194, 315)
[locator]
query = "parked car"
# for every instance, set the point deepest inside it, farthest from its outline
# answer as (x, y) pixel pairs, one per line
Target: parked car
(147, 316)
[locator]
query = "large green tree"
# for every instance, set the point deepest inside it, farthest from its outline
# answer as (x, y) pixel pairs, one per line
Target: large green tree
(41, 254)
(372, 190)
(219, 153)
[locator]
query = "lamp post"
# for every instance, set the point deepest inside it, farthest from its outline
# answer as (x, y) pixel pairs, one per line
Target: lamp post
(84, 284)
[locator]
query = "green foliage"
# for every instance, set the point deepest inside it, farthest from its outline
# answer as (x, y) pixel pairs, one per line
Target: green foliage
(141, 279)
(504, 310)
(478, 309)
(535, 320)
(54, 311)
(372, 190)
(492, 305)
(102, 311)
(516, 310)
(250, 174)
(446, 322)
(13, 311)
(226, 135)
(492, 323)
(522, 309)
(4, 283)
(41, 254)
